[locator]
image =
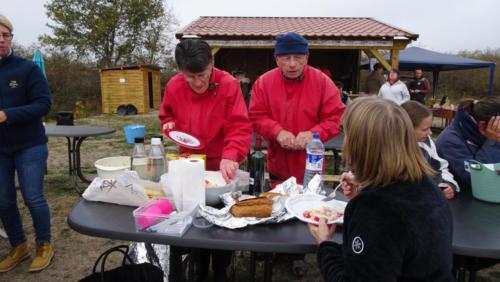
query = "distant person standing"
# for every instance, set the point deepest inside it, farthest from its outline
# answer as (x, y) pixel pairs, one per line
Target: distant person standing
(245, 85)
(375, 79)
(24, 100)
(394, 89)
(419, 87)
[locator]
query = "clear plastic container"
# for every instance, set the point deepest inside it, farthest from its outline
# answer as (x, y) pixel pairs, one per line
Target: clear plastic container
(148, 219)
(314, 160)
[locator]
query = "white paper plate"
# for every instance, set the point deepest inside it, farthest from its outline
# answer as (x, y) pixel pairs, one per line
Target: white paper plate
(297, 204)
(184, 139)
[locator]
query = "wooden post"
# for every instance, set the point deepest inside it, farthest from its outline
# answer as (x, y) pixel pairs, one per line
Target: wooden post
(375, 53)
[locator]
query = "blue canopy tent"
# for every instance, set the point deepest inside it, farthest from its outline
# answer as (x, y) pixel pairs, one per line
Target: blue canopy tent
(430, 61)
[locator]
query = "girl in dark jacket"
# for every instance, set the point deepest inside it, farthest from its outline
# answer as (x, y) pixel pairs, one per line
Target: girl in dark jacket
(421, 118)
(398, 227)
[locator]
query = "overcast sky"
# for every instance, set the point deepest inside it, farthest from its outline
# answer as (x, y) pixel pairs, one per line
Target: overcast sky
(443, 25)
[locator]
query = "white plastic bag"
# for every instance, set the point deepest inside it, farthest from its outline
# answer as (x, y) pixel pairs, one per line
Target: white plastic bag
(126, 189)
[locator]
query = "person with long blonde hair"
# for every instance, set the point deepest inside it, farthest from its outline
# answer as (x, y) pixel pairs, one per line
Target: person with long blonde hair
(398, 227)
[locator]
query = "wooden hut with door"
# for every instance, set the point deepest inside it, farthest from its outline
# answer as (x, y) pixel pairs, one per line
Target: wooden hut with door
(130, 86)
(335, 43)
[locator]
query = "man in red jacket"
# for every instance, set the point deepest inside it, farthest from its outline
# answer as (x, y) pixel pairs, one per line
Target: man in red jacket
(290, 103)
(207, 102)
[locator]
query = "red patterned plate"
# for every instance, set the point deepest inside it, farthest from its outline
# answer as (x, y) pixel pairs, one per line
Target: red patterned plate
(184, 139)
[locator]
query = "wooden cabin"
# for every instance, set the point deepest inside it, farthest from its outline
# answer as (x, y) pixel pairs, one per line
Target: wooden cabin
(137, 85)
(335, 43)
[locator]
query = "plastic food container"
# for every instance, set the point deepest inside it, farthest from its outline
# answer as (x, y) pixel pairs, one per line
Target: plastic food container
(111, 167)
(215, 185)
(132, 131)
(157, 217)
(484, 181)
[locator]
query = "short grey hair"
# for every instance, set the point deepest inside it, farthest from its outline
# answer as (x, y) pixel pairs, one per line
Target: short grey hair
(5, 22)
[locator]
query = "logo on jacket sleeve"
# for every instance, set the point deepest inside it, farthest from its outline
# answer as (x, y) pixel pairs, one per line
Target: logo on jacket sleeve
(357, 245)
(13, 84)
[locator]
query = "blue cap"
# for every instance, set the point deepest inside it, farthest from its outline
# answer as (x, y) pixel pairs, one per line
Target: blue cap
(290, 43)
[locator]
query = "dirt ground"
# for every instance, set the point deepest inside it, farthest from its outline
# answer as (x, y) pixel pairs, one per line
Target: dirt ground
(76, 253)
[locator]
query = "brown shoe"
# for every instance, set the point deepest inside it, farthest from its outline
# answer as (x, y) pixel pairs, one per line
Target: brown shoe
(16, 255)
(44, 255)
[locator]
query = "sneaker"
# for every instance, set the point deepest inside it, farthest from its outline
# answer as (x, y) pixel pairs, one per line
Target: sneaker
(16, 255)
(44, 255)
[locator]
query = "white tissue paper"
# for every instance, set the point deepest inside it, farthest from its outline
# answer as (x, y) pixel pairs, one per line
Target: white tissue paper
(125, 189)
(186, 181)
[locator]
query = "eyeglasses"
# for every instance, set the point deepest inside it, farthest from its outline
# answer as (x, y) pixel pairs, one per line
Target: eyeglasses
(6, 35)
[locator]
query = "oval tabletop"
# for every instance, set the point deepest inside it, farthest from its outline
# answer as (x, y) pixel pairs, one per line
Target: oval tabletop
(116, 222)
(76, 130)
(476, 227)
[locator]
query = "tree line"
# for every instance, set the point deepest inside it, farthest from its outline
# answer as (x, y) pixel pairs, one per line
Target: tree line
(95, 34)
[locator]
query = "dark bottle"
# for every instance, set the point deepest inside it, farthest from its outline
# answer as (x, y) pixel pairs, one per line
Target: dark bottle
(257, 173)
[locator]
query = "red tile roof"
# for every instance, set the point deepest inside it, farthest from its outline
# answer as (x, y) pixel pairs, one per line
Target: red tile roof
(325, 27)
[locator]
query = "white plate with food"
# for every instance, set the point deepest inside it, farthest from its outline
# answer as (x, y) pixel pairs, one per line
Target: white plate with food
(309, 208)
(184, 139)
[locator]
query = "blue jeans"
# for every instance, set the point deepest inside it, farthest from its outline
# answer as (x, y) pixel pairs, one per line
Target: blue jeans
(30, 165)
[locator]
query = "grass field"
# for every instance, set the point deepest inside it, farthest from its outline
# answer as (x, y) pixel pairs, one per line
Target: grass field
(76, 253)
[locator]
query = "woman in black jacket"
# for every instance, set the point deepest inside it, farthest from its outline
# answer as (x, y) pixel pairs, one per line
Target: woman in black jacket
(24, 101)
(398, 227)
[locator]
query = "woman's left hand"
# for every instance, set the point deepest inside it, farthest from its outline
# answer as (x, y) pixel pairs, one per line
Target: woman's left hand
(3, 116)
(492, 130)
(322, 231)
(228, 169)
(447, 190)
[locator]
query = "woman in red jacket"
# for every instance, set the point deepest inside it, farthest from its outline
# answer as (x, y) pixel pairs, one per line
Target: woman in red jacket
(207, 102)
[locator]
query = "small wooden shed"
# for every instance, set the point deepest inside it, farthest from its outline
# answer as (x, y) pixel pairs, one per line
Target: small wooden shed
(137, 85)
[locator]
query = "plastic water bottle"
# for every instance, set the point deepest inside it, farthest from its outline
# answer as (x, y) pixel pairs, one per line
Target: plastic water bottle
(162, 146)
(139, 159)
(156, 160)
(314, 160)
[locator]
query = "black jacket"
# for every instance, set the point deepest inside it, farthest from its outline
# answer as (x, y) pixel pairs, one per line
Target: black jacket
(25, 99)
(401, 232)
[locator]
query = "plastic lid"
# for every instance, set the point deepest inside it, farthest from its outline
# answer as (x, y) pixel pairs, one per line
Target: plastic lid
(200, 222)
(155, 141)
(139, 140)
(316, 135)
(158, 136)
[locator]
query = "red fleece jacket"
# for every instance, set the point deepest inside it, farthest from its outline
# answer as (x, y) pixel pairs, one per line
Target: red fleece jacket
(219, 116)
(312, 103)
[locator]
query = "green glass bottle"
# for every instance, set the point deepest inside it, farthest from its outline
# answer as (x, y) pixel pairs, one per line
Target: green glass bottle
(257, 173)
